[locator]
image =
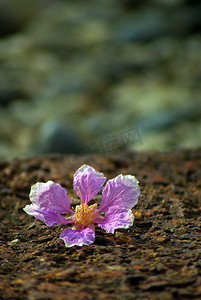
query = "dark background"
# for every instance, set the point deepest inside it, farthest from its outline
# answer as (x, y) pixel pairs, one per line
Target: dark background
(84, 76)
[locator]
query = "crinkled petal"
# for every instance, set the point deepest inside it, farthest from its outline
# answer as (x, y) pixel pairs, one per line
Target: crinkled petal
(50, 195)
(122, 191)
(116, 217)
(49, 200)
(89, 182)
(48, 216)
(77, 237)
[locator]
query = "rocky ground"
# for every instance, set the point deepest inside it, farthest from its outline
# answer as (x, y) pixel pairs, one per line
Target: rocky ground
(159, 257)
(75, 71)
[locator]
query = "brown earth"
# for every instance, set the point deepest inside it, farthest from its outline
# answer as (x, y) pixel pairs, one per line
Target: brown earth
(158, 258)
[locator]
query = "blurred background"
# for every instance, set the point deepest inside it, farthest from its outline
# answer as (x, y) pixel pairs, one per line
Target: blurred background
(99, 75)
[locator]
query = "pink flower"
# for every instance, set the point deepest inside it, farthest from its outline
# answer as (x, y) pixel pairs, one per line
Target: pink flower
(50, 202)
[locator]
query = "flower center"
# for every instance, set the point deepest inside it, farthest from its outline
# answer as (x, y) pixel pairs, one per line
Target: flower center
(84, 214)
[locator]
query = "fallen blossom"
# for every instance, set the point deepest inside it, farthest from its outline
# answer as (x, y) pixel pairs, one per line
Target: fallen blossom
(50, 204)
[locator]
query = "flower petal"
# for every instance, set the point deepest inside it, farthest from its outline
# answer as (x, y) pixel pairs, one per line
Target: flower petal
(77, 237)
(116, 217)
(48, 216)
(88, 182)
(48, 201)
(122, 191)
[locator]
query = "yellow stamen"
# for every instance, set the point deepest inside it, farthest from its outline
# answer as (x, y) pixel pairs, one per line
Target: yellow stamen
(79, 192)
(84, 214)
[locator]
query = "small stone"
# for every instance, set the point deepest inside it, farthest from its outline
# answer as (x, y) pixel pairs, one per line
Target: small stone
(13, 241)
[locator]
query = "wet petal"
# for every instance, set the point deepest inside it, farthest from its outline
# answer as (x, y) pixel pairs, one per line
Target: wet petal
(77, 237)
(122, 191)
(88, 182)
(116, 217)
(48, 201)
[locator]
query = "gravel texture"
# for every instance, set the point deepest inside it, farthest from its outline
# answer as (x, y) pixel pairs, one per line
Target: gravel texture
(159, 257)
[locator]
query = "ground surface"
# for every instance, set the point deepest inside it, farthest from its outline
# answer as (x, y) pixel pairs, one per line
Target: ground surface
(158, 258)
(75, 72)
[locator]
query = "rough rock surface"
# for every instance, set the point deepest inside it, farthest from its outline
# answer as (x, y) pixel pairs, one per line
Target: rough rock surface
(158, 258)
